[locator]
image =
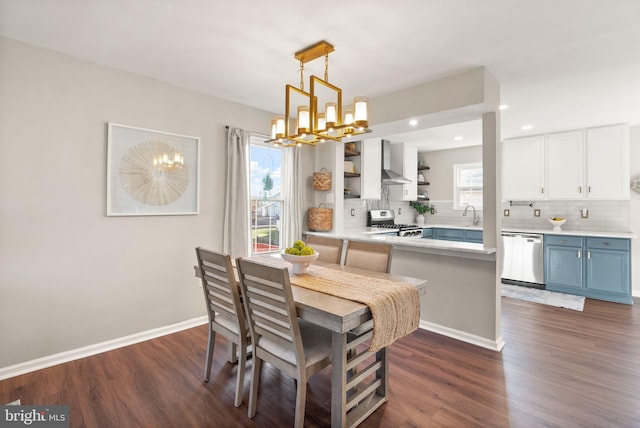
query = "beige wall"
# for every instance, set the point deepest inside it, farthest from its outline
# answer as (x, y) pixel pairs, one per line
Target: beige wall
(441, 173)
(69, 275)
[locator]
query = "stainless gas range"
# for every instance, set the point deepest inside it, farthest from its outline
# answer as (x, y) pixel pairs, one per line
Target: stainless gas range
(385, 219)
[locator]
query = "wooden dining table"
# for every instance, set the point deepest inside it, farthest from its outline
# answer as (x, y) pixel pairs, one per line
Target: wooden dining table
(354, 394)
(359, 378)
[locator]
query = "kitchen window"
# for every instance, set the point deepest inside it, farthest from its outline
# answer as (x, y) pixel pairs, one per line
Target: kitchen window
(266, 195)
(467, 185)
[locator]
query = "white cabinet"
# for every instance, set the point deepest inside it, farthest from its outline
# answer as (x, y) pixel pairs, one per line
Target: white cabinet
(371, 168)
(607, 162)
(584, 164)
(591, 164)
(523, 168)
(565, 165)
(404, 160)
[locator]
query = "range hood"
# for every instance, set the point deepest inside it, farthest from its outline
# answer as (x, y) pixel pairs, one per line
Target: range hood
(389, 176)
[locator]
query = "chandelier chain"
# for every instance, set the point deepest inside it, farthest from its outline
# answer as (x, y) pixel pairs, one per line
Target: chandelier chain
(301, 75)
(326, 67)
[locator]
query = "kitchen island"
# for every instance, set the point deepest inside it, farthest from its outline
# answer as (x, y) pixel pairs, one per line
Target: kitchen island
(462, 300)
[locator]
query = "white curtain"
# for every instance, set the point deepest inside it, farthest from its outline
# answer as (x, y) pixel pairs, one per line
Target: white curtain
(235, 238)
(292, 182)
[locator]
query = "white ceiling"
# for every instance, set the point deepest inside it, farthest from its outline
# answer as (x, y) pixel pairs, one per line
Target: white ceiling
(562, 64)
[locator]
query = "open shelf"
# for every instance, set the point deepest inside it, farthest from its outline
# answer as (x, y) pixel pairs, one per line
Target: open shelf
(423, 183)
(350, 153)
(351, 174)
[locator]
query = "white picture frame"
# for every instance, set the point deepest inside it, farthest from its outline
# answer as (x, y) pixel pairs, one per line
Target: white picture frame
(151, 172)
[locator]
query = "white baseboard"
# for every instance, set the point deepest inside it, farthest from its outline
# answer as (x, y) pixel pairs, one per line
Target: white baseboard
(87, 351)
(494, 345)
(635, 293)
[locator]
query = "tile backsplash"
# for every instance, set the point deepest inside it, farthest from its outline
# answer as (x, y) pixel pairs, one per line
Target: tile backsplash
(606, 216)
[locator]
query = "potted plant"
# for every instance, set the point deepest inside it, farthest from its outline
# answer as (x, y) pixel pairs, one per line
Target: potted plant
(421, 209)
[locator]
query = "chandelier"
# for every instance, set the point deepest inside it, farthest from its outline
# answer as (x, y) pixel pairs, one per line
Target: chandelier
(312, 125)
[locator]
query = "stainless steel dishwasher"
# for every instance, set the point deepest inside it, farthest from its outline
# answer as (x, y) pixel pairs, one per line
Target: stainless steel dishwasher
(523, 262)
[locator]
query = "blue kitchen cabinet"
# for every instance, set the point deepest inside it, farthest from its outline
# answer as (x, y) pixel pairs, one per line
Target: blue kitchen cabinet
(447, 234)
(474, 236)
(608, 273)
(598, 268)
(452, 234)
(563, 270)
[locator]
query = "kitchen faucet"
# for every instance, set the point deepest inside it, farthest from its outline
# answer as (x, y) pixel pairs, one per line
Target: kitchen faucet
(476, 217)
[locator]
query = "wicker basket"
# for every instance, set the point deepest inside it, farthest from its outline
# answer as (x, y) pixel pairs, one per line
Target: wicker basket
(320, 219)
(322, 180)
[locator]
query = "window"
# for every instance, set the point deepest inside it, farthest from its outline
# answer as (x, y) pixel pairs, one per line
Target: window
(266, 197)
(467, 185)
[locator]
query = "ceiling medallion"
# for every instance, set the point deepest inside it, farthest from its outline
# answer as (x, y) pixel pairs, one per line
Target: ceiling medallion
(313, 126)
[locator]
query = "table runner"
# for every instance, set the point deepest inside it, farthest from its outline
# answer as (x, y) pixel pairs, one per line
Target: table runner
(395, 306)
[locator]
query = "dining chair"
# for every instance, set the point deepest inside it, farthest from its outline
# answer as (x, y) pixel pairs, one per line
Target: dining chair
(296, 347)
(368, 255)
(330, 249)
(225, 311)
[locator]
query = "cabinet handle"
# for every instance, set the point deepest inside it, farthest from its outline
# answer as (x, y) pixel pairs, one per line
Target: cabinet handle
(580, 190)
(606, 244)
(563, 241)
(589, 189)
(542, 190)
(589, 255)
(579, 254)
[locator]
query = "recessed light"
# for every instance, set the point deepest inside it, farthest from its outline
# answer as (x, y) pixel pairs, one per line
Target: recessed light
(503, 106)
(458, 138)
(527, 127)
(413, 122)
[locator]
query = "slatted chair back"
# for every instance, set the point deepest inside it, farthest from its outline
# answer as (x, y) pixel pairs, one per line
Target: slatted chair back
(330, 249)
(225, 310)
(271, 312)
(368, 255)
(296, 347)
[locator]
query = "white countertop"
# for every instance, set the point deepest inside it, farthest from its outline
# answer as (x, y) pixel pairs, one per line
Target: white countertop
(594, 233)
(454, 248)
(412, 243)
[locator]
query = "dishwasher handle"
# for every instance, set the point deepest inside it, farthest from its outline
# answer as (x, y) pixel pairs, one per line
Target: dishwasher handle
(533, 238)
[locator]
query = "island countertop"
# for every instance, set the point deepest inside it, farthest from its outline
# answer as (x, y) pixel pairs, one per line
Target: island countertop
(417, 244)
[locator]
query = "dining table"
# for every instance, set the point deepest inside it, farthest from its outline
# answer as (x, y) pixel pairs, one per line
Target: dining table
(359, 376)
(359, 380)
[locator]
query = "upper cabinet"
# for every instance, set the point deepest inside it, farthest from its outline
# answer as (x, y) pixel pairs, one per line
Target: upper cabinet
(404, 160)
(582, 164)
(523, 168)
(608, 162)
(371, 168)
(565, 165)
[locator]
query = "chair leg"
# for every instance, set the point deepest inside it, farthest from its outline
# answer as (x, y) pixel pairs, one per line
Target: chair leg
(301, 400)
(242, 362)
(233, 355)
(253, 391)
(209, 358)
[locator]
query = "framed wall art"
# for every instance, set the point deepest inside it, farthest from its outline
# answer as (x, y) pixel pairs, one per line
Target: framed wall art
(151, 172)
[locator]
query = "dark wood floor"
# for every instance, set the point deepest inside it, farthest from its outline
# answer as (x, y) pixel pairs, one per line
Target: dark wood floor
(560, 368)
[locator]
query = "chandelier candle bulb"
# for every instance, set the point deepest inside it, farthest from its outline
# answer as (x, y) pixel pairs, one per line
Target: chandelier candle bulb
(303, 119)
(322, 122)
(331, 115)
(348, 120)
(279, 127)
(360, 116)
